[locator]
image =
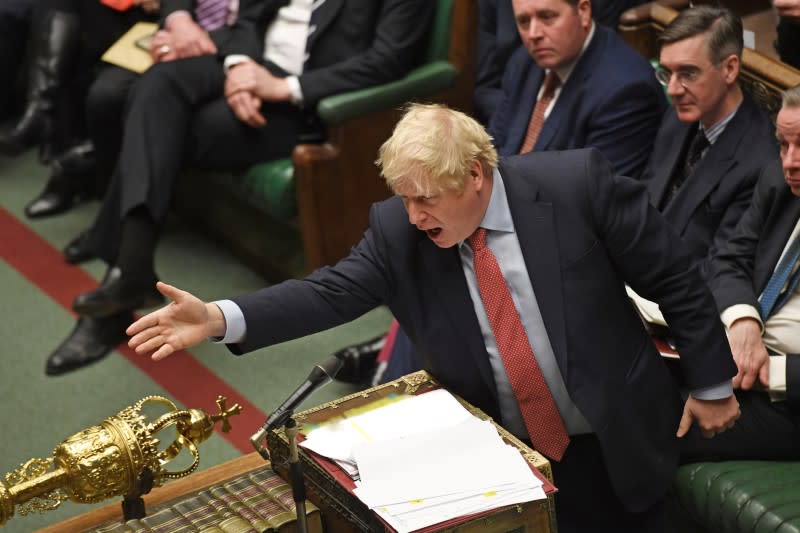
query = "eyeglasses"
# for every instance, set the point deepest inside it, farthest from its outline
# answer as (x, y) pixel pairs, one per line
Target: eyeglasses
(686, 76)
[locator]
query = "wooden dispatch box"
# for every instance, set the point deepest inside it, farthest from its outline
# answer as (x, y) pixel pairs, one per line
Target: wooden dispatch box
(330, 488)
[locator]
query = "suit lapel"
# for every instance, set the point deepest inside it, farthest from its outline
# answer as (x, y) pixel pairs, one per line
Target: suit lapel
(534, 222)
(715, 165)
(324, 16)
(663, 172)
(449, 282)
(569, 92)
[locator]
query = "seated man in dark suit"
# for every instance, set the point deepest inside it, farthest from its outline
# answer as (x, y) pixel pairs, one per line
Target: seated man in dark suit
(754, 279)
(498, 38)
(714, 140)
(576, 84)
(509, 280)
(280, 59)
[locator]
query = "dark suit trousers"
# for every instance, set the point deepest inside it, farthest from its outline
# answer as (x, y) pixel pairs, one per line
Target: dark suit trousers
(15, 18)
(765, 431)
(586, 502)
(175, 115)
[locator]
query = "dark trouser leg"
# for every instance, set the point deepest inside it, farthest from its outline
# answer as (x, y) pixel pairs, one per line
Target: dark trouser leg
(54, 53)
(175, 116)
(586, 502)
(765, 431)
(15, 17)
(105, 105)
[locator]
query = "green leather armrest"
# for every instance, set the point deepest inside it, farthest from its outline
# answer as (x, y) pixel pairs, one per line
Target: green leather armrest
(422, 81)
(270, 186)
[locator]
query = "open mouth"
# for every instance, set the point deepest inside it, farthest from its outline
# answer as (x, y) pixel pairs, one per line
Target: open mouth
(433, 232)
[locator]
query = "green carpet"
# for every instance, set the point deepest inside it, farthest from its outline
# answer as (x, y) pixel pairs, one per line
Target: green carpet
(38, 412)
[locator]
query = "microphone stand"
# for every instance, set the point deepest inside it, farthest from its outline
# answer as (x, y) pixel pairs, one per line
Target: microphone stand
(296, 476)
(295, 469)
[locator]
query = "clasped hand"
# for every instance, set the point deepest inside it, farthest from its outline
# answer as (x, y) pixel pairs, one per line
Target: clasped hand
(181, 38)
(248, 85)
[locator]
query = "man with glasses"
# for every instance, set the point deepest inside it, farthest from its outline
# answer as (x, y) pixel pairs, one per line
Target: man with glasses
(713, 141)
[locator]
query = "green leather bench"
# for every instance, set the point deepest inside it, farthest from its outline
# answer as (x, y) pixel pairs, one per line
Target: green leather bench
(742, 496)
(290, 216)
(728, 496)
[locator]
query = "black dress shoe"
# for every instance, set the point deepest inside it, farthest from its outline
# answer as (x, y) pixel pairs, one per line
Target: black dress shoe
(77, 251)
(71, 181)
(359, 361)
(91, 340)
(117, 293)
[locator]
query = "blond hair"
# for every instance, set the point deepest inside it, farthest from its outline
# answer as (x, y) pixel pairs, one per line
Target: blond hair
(432, 149)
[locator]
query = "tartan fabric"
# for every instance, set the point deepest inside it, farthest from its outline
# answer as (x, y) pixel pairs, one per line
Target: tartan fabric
(251, 503)
(551, 83)
(542, 419)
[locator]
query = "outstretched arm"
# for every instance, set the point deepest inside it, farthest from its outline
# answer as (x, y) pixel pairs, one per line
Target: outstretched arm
(181, 324)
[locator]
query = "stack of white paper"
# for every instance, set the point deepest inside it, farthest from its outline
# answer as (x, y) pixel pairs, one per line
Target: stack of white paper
(426, 459)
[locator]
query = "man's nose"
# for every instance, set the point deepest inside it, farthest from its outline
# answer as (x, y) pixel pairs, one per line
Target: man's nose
(675, 87)
(415, 214)
(534, 30)
(791, 157)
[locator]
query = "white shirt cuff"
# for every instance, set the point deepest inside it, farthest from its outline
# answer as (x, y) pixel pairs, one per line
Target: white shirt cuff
(234, 59)
(235, 326)
(295, 90)
(714, 392)
(777, 373)
(735, 312)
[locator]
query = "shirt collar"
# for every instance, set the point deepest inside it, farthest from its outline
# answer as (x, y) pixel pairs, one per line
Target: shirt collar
(713, 133)
(565, 71)
(497, 216)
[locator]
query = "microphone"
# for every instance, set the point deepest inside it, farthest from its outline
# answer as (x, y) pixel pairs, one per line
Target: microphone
(320, 375)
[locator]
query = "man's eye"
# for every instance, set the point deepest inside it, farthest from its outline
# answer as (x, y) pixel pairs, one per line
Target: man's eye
(688, 74)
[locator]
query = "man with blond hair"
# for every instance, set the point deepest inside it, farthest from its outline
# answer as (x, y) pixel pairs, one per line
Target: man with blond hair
(508, 276)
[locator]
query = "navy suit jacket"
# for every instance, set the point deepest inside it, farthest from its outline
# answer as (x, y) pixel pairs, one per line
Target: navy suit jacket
(741, 269)
(584, 233)
(711, 201)
(357, 43)
(611, 102)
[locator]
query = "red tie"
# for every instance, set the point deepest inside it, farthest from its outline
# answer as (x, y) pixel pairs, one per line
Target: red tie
(542, 419)
(551, 82)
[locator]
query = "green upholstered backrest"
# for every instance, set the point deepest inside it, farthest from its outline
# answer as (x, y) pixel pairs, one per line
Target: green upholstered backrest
(742, 496)
(271, 186)
(439, 37)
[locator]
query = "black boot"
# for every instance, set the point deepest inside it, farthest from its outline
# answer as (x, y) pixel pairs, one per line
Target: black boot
(72, 179)
(54, 54)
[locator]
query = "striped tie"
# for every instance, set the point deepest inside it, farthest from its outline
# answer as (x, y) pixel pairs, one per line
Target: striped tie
(551, 83)
(211, 14)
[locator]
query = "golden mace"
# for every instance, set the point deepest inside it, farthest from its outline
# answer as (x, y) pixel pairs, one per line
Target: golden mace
(111, 459)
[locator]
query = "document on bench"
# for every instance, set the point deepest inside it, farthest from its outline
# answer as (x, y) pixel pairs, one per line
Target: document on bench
(426, 459)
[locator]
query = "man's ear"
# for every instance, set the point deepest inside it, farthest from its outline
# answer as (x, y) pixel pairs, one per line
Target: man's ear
(584, 8)
(477, 175)
(730, 68)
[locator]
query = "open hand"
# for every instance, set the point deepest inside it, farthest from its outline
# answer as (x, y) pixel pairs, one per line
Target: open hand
(181, 324)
